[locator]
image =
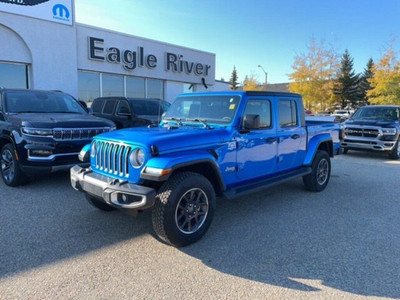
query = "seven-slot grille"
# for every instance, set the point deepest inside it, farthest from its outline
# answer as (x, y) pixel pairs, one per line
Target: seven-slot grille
(112, 158)
(62, 134)
(363, 132)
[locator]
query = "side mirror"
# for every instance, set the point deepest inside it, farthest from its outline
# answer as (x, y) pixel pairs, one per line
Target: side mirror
(251, 122)
(90, 111)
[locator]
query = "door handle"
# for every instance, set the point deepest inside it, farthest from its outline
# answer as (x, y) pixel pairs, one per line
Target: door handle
(295, 136)
(271, 140)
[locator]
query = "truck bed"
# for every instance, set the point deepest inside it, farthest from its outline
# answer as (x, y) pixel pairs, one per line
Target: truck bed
(320, 125)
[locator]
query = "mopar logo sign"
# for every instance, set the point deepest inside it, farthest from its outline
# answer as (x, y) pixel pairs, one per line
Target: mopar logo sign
(24, 2)
(60, 12)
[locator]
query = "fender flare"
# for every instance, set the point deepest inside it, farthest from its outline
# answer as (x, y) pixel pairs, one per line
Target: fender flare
(176, 163)
(313, 146)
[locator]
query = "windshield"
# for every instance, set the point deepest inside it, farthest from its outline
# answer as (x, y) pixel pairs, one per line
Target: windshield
(378, 113)
(147, 107)
(341, 112)
(213, 109)
(41, 102)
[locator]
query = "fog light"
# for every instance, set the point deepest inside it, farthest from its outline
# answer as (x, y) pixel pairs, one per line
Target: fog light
(40, 153)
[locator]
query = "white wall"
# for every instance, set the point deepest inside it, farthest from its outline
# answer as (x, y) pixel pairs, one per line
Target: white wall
(219, 86)
(52, 47)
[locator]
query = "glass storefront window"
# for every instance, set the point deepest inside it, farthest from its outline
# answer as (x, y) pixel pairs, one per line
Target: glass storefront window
(135, 87)
(117, 86)
(155, 89)
(13, 76)
(113, 85)
(89, 86)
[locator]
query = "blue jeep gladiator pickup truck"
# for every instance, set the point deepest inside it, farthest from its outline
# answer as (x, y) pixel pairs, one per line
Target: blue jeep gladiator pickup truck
(209, 144)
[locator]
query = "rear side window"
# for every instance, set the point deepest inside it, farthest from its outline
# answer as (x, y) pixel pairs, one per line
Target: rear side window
(109, 107)
(123, 108)
(146, 107)
(287, 113)
(97, 105)
(262, 108)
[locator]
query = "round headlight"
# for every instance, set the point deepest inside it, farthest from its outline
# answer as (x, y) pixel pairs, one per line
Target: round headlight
(137, 158)
(93, 150)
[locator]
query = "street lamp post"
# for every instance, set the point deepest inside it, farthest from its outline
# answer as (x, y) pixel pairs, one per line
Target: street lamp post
(266, 76)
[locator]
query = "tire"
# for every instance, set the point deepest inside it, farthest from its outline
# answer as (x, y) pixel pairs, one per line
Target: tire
(184, 209)
(318, 179)
(395, 153)
(10, 169)
(99, 204)
(345, 150)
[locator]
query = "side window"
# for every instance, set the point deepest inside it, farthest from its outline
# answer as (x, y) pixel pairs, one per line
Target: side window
(123, 108)
(97, 105)
(109, 107)
(287, 113)
(262, 108)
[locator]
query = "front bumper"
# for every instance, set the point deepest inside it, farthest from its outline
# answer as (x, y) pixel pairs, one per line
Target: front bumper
(373, 144)
(118, 193)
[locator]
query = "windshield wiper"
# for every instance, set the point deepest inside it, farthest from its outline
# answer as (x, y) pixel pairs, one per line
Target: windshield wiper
(177, 120)
(64, 112)
(202, 121)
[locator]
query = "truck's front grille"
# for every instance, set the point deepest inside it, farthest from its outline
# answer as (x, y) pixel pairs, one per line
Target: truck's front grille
(112, 158)
(65, 134)
(364, 132)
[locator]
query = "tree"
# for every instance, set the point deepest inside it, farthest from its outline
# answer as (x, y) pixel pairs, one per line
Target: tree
(234, 79)
(251, 83)
(347, 84)
(313, 74)
(385, 84)
(364, 81)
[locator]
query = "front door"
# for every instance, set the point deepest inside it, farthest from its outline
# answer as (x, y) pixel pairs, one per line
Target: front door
(257, 148)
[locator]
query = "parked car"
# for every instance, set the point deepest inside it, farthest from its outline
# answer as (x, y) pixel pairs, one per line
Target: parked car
(373, 128)
(342, 114)
(130, 112)
(208, 144)
(42, 131)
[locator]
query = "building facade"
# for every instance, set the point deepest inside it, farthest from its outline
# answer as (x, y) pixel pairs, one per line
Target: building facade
(44, 48)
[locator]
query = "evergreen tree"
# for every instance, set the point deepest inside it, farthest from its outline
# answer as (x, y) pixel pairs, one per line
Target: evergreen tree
(234, 79)
(347, 85)
(365, 86)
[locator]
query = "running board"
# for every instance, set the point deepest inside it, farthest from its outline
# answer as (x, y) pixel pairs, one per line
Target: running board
(263, 184)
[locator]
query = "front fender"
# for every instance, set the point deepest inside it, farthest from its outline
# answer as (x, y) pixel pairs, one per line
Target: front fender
(313, 146)
(168, 163)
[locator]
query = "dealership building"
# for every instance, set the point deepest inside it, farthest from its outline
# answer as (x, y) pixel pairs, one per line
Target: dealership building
(44, 48)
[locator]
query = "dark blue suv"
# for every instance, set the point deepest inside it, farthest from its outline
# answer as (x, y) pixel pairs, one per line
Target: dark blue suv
(43, 132)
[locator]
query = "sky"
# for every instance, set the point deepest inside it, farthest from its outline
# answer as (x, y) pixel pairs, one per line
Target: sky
(249, 33)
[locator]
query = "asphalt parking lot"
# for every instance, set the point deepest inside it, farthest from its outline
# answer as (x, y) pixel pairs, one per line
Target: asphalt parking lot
(285, 243)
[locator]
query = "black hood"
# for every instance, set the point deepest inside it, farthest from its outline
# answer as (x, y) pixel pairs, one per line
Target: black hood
(25, 2)
(64, 120)
(377, 123)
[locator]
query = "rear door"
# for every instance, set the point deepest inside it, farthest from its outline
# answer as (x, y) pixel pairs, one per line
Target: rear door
(256, 155)
(292, 136)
